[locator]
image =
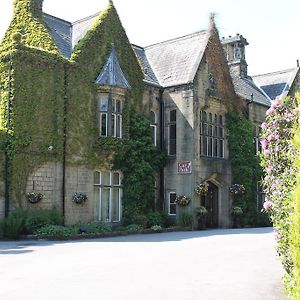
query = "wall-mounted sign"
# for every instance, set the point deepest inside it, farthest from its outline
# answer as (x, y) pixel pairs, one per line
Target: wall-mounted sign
(184, 167)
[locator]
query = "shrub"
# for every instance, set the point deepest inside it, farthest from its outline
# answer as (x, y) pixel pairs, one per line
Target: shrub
(140, 220)
(55, 231)
(156, 228)
(155, 218)
(186, 219)
(134, 228)
(95, 227)
(14, 225)
(42, 217)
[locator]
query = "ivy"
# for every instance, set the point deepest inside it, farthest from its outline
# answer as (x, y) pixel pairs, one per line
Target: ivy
(139, 161)
(244, 164)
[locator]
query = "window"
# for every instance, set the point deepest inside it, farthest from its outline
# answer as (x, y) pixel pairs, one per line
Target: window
(172, 132)
(172, 204)
(261, 195)
(110, 110)
(256, 139)
(153, 126)
(107, 194)
(212, 135)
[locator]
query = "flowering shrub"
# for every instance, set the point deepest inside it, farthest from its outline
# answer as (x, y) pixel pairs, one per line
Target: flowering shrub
(202, 188)
(237, 189)
(182, 200)
(34, 197)
(79, 198)
(278, 161)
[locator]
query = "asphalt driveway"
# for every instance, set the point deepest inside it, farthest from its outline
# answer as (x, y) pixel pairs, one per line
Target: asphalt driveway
(232, 264)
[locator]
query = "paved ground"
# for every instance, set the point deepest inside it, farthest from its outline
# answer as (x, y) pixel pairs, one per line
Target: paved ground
(234, 264)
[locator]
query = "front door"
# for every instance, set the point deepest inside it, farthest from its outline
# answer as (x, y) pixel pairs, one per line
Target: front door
(210, 201)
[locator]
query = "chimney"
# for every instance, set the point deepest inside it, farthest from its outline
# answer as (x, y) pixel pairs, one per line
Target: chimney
(298, 63)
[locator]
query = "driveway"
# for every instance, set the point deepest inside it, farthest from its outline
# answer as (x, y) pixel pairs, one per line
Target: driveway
(232, 264)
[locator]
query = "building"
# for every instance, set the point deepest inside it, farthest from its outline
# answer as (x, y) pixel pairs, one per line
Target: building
(66, 90)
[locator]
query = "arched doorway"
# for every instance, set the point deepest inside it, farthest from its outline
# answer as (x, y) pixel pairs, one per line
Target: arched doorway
(210, 201)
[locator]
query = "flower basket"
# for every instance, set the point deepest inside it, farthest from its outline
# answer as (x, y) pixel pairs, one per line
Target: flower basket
(182, 200)
(202, 188)
(79, 198)
(237, 211)
(33, 197)
(201, 211)
(237, 189)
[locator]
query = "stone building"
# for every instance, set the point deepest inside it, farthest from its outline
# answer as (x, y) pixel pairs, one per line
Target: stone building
(91, 74)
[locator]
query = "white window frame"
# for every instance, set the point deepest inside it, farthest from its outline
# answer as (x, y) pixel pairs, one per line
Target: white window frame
(101, 187)
(154, 126)
(169, 203)
(172, 123)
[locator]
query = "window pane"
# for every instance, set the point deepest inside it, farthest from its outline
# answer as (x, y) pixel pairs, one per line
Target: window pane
(221, 132)
(210, 129)
(172, 197)
(153, 134)
(105, 204)
(105, 178)
(205, 144)
(119, 126)
(210, 146)
(113, 125)
(118, 106)
(115, 209)
(215, 148)
(216, 119)
(103, 129)
(172, 128)
(172, 204)
(204, 116)
(173, 116)
(221, 148)
(96, 177)
(96, 202)
(215, 131)
(205, 129)
(104, 104)
(152, 117)
(172, 209)
(220, 120)
(116, 179)
(210, 117)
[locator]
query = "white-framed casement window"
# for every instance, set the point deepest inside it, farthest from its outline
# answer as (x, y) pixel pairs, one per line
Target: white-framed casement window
(212, 135)
(153, 126)
(172, 132)
(256, 140)
(110, 115)
(108, 195)
(172, 204)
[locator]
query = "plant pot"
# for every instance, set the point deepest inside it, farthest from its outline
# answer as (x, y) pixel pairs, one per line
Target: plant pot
(201, 223)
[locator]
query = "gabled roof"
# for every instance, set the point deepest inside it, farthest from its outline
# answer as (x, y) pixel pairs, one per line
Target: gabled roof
(149, 76)
(276, 84)
(247, 89)
(112, 74)
(65, 34)
(175, 62)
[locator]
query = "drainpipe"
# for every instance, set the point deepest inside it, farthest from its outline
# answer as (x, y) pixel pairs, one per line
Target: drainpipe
(6, 156)
(64, 144)
(162, 142)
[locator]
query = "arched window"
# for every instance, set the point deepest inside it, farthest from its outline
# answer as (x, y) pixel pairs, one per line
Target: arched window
(153, 126)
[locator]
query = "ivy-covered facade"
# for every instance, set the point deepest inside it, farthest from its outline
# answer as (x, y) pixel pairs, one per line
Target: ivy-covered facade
(104, 130)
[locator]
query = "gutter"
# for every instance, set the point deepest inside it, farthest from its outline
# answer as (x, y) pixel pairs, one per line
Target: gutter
(7, 143)
(162, 142)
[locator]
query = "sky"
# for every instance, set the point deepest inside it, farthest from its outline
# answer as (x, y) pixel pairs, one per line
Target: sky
(270, 26)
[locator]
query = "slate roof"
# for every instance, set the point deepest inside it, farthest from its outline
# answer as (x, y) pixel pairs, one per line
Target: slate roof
(276, 84)
(149, 76)
(175, 62)
(112, 74)
(65, 34)
(245, 87)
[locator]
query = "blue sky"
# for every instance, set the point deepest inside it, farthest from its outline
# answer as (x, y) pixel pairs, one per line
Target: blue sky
(270, 26)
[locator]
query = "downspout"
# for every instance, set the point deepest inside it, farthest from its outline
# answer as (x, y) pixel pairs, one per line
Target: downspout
(64, 144)
(7, 142)
(162, 143)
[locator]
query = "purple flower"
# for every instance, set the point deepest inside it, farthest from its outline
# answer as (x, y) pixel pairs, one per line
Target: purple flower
(267, 152)
(263, 125)
(270, 169)
(267, 205)
(264, 144)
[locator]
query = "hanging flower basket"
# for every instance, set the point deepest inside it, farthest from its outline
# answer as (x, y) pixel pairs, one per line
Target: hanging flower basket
(34, 197)
(79, 198)
(202, 188)
(237, 189)
(182, 200)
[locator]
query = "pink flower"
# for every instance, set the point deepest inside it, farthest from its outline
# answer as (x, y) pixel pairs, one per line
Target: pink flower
(267, 205)
(270, 110)
(264, 144)
(263, 125)
(270, 169)
(267, 152)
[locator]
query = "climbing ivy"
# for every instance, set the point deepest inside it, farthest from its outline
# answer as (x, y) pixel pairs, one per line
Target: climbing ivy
(244, 164)
(139, 161)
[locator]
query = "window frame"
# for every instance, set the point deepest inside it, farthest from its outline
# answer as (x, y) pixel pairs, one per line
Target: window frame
(169, 203)
(172, 124)
(153, 126)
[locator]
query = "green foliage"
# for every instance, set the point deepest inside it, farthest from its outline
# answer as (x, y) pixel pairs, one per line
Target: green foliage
(156, 228)
(156, 218)
(245, 166)
(55, 231)
(134, 228)
(139, 161)
(185, 219)
(14, 225)
(95, 227)
(42, 217)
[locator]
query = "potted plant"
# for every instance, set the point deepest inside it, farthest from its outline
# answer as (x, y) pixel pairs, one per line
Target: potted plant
(237, 189)
(236, 214)
(201, 213)
(202, 188)
(79, 198)
(34, 197)
(182, 200)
